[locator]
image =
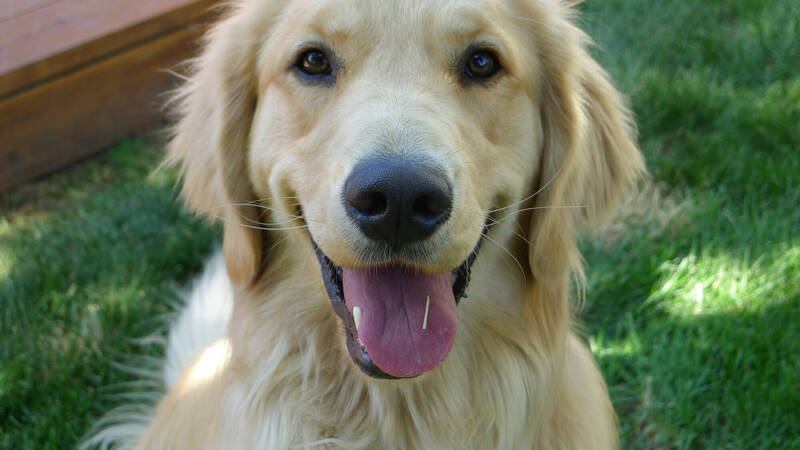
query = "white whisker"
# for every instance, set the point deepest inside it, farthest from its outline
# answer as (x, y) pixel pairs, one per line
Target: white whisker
(274, 198)
(262, 228)
(256, 205)
(530, 196)
(551, 207)
(492, 241)
(270, 224)
(524, 239)
(534, 208)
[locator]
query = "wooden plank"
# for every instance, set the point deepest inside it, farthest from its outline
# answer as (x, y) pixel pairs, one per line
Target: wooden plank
(10, 9)
(69, 34)
(58, 122)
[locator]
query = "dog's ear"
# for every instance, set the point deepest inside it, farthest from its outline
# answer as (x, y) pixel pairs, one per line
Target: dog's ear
(215, 110)
(590, 154)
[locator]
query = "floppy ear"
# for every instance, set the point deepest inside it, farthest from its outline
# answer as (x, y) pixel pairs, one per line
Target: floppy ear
(215, 110)
(590, 155)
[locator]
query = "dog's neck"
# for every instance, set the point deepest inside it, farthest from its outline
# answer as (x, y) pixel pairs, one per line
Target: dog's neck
(306, 359)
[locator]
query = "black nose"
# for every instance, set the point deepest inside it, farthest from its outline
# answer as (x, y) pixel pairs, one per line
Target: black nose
(396, 200)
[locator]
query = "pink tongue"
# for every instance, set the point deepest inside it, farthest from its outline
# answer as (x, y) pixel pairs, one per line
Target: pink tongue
(393, 303)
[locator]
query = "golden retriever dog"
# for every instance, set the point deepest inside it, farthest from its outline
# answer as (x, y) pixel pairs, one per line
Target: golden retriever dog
(402, 184)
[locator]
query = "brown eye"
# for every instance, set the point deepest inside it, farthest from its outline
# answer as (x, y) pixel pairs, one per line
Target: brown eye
(313, 62)
(482, 64)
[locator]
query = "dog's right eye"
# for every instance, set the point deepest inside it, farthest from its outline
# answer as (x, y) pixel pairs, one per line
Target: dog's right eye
(482, 65)
(314, 62)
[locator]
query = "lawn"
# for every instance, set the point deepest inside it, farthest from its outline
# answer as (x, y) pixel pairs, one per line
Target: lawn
(693, 300)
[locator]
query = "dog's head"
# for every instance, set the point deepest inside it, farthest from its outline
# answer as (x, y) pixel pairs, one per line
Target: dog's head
(395, 137)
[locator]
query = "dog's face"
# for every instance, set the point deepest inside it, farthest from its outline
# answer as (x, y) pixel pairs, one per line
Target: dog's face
(431, 93)
(400, 133)
(395, 128)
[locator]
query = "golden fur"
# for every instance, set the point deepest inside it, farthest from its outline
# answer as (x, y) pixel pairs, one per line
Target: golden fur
(546, 148)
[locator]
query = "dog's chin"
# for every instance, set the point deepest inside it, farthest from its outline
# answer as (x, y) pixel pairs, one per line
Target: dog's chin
(399, 322)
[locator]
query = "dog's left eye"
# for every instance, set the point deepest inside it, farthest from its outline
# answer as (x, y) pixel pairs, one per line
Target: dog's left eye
(482, 64)
(314, 62)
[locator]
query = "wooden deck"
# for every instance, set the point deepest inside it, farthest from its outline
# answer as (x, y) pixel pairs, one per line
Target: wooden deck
(78, 75)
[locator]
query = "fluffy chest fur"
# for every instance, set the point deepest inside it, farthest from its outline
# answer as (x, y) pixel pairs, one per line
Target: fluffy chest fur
(284, 381)
(280, 380)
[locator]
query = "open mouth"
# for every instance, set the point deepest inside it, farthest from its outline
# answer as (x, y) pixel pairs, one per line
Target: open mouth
(399, 322)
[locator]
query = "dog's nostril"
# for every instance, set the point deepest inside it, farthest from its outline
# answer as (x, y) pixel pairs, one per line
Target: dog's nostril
(371, 203)
(429, 207)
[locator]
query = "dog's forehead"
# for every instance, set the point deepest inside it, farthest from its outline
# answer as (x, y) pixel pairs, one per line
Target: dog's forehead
(398, 19)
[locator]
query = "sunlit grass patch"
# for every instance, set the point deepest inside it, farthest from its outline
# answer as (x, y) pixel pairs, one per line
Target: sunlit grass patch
(724, 282)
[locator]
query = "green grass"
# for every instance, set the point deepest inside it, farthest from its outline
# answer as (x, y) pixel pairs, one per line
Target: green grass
(693, 311)
(89, 261)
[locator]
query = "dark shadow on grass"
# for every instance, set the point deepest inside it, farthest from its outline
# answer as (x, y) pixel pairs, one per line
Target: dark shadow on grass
(85, 275)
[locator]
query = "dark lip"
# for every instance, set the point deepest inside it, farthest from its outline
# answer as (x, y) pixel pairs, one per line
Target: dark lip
(332, 278)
